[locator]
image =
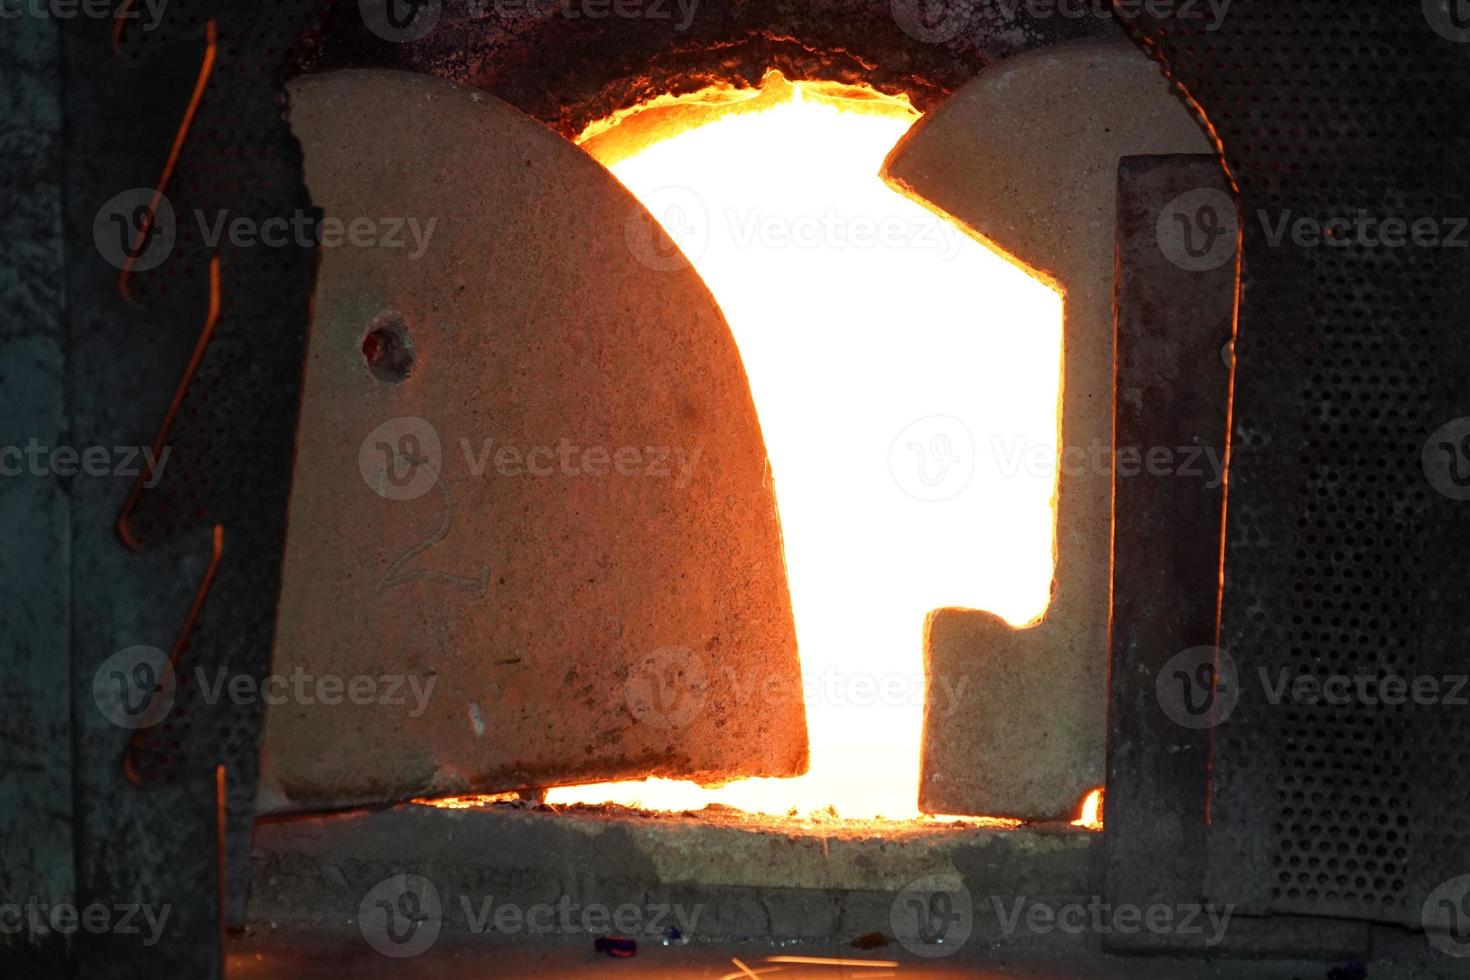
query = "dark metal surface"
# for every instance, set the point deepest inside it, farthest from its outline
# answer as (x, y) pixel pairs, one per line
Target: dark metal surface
(35, 675)
(232, 439)
(156, 843)
(1171, 389)
(1174, 327)
(131, 847)
(1341, 558)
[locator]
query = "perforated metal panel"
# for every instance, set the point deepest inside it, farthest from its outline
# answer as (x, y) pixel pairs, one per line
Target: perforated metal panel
(1342, 557)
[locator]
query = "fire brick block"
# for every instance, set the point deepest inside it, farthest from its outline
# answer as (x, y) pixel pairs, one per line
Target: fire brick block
(531, 520)
(1026, 155)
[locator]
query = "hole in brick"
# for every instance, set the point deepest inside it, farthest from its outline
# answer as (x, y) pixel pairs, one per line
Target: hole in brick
(388, 348)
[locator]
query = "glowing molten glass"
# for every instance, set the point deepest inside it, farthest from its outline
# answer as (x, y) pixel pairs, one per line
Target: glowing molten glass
(907, 380)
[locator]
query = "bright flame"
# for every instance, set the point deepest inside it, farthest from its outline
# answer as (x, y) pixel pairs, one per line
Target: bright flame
(1090, 816)
(907, 380)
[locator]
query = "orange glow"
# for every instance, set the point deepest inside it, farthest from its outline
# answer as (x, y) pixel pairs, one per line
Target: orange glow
(906, 376)
(472, 802)
(1091, 816)
(831, 961)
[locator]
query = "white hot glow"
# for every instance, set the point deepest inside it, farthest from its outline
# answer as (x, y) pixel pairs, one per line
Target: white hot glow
(893, 359)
